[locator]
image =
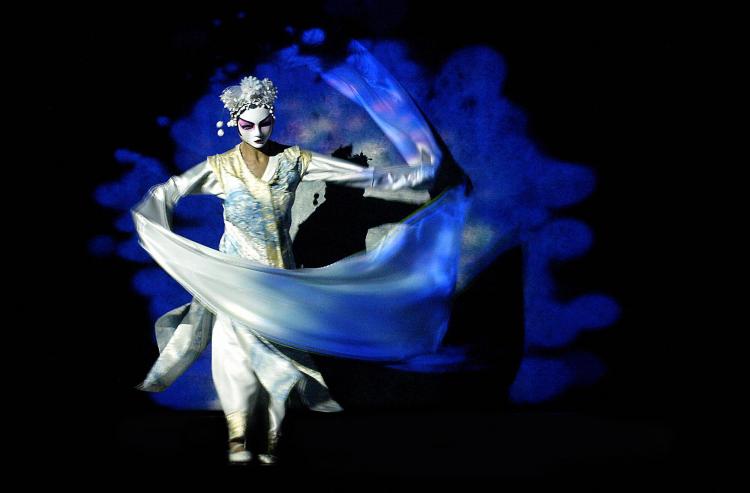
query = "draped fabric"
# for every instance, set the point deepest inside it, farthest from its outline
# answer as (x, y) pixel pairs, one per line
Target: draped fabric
(390, 303)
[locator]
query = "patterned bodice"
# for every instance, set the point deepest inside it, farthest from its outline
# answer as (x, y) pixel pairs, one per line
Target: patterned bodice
(258, 214)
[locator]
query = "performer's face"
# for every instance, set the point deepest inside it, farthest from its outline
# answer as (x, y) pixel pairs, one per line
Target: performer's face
(255, 126)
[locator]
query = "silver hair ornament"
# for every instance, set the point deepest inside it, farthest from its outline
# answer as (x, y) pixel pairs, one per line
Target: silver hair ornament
(250, 93)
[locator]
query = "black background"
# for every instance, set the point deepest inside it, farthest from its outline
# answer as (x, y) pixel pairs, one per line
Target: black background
(598, 88)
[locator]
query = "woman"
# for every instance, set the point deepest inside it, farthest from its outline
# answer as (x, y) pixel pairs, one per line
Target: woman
(257, 180)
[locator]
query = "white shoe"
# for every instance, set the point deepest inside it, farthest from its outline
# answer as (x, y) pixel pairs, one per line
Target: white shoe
(267, 459)
(271, 457)
(238, 454)
(241, 457)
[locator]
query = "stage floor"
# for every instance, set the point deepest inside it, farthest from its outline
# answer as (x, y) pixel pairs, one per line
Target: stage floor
(415, 444)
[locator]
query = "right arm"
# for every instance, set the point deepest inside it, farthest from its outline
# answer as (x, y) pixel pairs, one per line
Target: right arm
(317, 166)
(160, 201)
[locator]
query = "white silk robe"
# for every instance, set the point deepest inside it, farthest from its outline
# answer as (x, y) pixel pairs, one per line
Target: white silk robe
(257, 219)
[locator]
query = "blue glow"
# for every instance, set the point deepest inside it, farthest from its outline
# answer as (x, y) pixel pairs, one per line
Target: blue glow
(313, 36)
(447, 358)
(540, 379)
(129, 249)
(517, 192)
(192, 387)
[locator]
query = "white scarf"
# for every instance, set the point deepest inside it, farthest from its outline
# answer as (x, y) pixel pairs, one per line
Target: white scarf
(391, 303)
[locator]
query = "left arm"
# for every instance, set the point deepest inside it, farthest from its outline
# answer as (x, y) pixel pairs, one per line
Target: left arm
(316, 166)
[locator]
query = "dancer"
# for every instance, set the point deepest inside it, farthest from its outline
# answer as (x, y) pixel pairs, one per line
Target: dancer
(257, 180)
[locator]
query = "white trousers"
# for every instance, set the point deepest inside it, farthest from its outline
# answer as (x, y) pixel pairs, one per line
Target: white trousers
(240, 364)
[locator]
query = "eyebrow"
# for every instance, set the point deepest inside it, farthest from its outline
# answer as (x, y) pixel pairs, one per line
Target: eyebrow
(266, 118)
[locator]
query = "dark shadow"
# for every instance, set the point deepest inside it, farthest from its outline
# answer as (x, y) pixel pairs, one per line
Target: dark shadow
(338, 227)
(487, 316)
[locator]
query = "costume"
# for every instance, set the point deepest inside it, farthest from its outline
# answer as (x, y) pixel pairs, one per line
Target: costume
(257, 218)
(263, 315)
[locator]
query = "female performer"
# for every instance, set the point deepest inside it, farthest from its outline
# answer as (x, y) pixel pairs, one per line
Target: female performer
(257, 180)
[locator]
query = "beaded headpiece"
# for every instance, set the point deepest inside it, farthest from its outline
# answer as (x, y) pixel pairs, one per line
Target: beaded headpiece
(251, 93)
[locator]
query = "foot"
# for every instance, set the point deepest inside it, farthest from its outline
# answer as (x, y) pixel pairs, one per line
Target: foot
(270, 457)
(239, 454)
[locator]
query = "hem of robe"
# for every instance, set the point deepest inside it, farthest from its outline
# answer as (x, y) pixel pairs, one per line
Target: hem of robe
(182, 336)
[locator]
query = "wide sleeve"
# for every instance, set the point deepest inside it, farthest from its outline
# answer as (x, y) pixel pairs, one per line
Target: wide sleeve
(160, 201)
(316, 166)
(183, 333)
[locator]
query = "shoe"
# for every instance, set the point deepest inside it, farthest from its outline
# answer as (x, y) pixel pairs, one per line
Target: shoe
(239, 454)
(237, 427)
(271, 457)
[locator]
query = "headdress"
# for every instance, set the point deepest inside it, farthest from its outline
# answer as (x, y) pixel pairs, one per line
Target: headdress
(252, 92)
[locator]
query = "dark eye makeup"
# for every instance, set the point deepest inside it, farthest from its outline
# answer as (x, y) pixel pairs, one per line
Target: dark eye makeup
(246, 125)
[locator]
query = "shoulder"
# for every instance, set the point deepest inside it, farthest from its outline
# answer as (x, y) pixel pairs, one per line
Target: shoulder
(290, 151)
(296, 153)
(217, 161)
(222, 162)
(228, 153)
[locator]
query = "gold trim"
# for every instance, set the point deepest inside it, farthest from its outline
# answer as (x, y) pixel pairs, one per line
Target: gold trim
(305, 158)
(237, 424)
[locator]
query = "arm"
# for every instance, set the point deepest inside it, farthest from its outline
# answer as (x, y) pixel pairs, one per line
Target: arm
(160, 201)
(316, 166)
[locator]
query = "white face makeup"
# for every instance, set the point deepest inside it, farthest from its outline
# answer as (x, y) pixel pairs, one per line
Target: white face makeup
(255, 126)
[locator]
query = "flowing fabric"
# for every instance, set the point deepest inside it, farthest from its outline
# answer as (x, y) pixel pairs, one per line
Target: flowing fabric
(390, 303)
